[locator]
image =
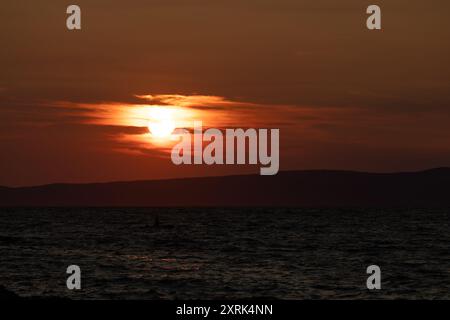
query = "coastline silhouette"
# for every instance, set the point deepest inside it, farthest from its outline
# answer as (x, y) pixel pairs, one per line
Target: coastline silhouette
(320, 188)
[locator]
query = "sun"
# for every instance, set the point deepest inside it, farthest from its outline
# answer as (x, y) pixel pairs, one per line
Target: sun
(161, 122)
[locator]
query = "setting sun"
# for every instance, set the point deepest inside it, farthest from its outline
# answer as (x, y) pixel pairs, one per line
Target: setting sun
(161, 122)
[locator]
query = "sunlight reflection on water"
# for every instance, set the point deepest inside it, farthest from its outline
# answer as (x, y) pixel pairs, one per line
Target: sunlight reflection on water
(225, 253)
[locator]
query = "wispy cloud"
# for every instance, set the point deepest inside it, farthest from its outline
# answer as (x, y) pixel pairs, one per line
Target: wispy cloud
(127, 127)
(132, 122)
(194, 101)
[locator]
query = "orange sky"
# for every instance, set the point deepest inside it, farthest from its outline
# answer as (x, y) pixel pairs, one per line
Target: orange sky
(343, 97)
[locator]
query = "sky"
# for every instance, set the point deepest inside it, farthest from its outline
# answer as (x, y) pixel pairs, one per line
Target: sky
(74, 104)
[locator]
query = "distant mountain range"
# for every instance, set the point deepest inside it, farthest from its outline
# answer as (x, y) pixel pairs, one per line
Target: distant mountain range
(287, 189)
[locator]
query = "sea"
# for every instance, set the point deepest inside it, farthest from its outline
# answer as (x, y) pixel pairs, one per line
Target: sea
(225, 253)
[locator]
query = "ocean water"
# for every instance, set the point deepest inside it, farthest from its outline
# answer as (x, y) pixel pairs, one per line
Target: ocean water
(226, 253)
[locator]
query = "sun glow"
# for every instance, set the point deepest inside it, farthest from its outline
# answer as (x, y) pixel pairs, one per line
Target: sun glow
(161, 122)
(155, 123)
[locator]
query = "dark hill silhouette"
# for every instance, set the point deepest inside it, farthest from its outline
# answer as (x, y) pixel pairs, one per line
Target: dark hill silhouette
(291, 188)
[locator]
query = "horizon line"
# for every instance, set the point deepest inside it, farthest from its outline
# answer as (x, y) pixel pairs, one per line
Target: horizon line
(225, 176)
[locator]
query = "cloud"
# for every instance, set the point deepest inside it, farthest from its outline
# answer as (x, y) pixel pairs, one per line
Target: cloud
(126, 126)
(129, 125)
(194, 101)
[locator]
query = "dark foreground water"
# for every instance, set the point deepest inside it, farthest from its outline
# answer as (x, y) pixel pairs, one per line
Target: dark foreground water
(226, 253)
